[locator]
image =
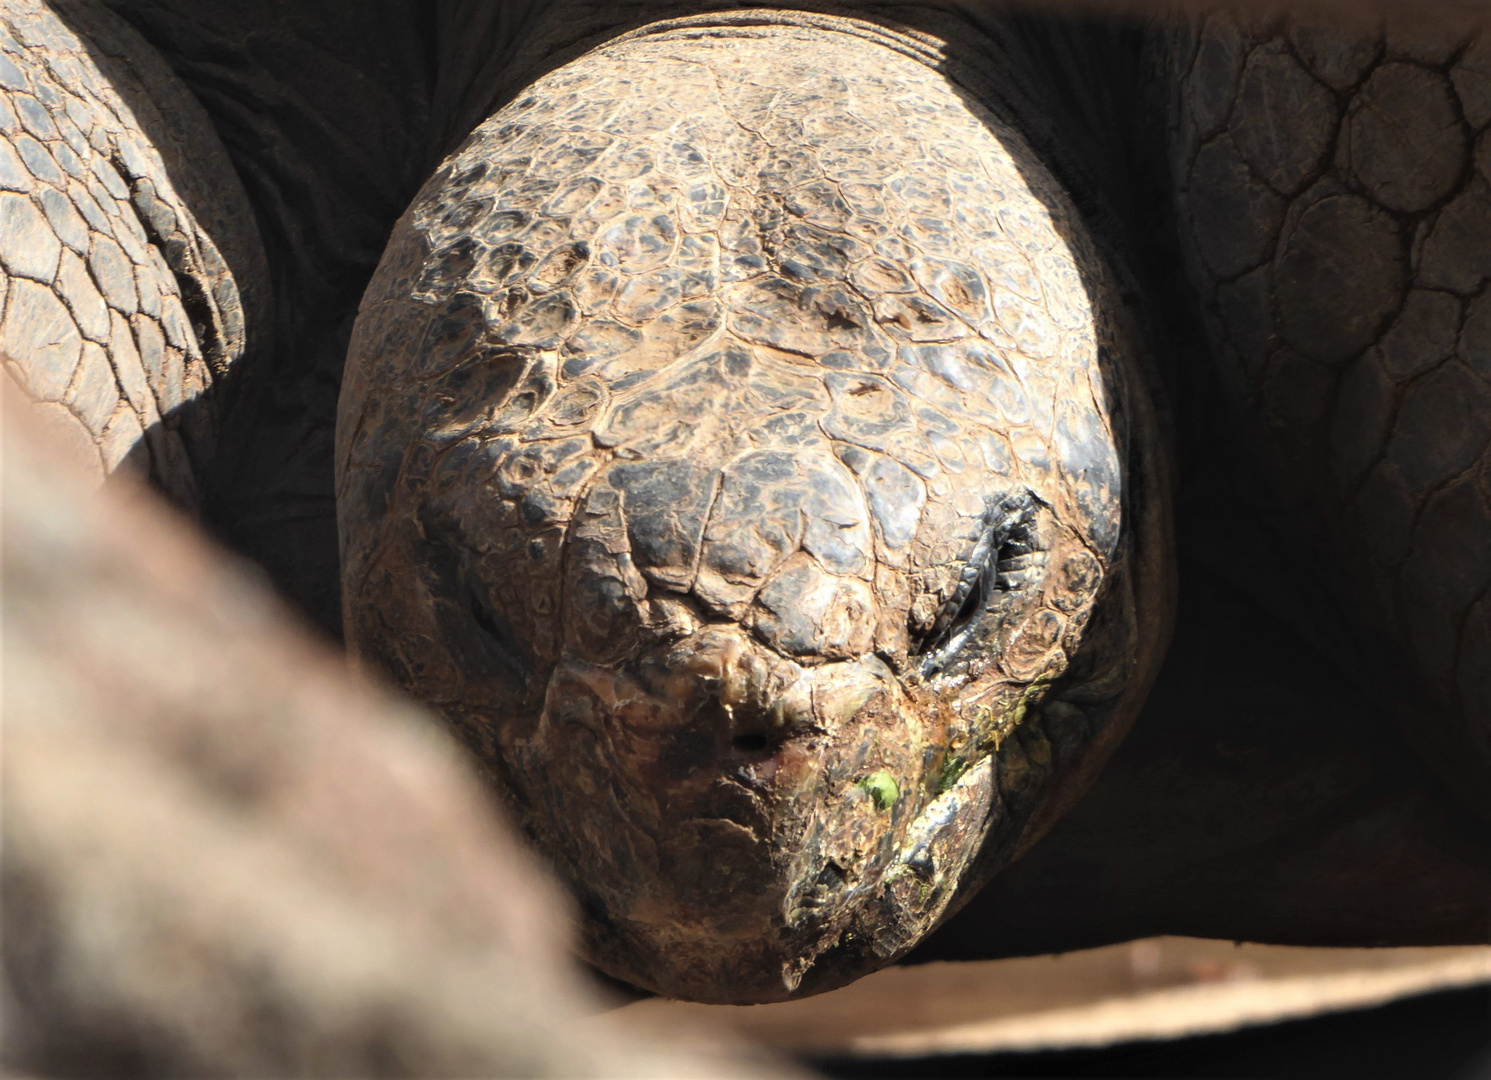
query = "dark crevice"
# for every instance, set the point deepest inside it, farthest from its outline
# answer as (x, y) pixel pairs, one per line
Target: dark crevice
(973, 607)
(750, 743)
(499, 641)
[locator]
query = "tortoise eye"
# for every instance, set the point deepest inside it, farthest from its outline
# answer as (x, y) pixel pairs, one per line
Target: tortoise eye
(997, 564)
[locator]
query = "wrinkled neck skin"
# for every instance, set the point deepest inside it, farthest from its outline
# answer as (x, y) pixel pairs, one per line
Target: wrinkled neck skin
(745, 444)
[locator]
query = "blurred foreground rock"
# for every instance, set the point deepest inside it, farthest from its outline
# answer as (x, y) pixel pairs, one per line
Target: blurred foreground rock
(224, 856)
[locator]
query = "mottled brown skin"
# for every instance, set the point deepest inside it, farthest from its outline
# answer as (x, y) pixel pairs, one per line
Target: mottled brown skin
(1261, 795)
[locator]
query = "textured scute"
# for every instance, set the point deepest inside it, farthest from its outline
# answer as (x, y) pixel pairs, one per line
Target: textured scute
(736, 443)
(1348, 290)
(118, 311)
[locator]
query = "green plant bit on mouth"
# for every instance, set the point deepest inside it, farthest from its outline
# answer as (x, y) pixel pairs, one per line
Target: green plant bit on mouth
(882, 788)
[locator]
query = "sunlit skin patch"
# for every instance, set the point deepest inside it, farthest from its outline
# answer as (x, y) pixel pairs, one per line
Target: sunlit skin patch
(735, 446)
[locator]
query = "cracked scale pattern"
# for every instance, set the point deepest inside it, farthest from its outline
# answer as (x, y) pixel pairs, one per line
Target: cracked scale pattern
(1334, 191)
(709, 358)
(117, 311)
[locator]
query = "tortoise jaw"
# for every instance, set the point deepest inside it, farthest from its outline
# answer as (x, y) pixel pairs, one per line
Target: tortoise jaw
(741, 813)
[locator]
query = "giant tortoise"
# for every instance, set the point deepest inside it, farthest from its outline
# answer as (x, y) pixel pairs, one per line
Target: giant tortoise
(784, 440)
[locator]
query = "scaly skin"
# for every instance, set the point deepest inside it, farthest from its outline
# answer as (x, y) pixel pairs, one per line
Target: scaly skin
(1333, 195)
(1261, 798)
(742, 443)
(120, 311)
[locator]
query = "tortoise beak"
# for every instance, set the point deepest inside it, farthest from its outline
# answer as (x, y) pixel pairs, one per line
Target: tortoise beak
(727, 809)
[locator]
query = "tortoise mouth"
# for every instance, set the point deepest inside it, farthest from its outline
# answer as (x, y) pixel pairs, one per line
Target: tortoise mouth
(735, 815)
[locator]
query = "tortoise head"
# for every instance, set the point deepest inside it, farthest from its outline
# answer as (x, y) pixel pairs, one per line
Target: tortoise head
(743, 465)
